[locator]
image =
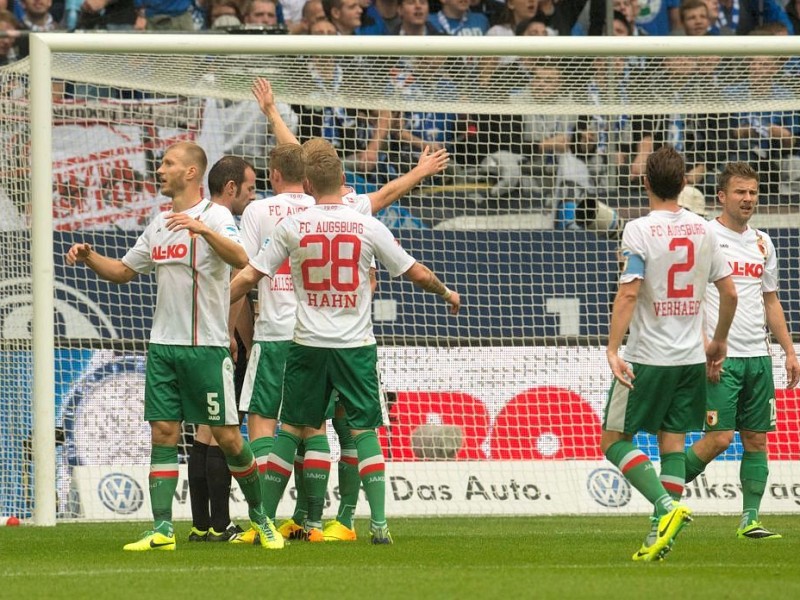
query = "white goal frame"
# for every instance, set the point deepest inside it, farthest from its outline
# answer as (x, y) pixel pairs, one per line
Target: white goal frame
(42, 46)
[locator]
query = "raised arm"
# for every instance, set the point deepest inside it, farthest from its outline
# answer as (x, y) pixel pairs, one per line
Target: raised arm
(430, 163)
(422, 276)
(262, 90)
(110, 269)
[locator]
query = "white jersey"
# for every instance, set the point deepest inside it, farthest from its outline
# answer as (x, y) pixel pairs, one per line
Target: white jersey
(358, 202)
(330, 248)
(193, 282)
(751, 256)
(676, 255)
(276, 301)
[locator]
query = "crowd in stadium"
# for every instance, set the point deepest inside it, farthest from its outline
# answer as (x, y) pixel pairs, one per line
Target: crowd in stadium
(561, 155)
(409, 17)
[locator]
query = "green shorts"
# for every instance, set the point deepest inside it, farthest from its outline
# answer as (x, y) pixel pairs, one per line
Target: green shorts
(190, 383)
(263, 383)
(744, 398)
(312, 374)
(670, 399)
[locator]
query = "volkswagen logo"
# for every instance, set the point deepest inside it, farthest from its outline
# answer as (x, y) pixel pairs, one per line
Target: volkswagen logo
(120, 493)
(608, 488)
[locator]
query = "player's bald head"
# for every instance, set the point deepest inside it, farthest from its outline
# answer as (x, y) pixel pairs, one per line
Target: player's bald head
(191, 155)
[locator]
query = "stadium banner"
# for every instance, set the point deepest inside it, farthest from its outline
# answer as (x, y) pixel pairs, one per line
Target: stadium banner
(459, 488)
(506, 431)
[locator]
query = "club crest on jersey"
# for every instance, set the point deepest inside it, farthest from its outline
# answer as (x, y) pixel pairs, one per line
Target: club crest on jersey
(762, 245)
(712, 418)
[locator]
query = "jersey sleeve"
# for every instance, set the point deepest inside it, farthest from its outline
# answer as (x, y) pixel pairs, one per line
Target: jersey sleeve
(139, 258)
(275, 251)
(389, 252)
(720, 267)
(633, 254)
(363, 204)
(250, 231)
(769, 281)
(221, 221)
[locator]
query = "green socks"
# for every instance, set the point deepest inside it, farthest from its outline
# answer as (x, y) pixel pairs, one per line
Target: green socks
(694, 466)
(753, 473)
(673, 473)
(372, 471)
(349, 480)
(279, 469)
(163, 482)
(316, 470)
(244, 469)
(641, 473)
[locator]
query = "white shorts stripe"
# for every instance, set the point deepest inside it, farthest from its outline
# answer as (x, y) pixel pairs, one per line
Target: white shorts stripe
(249, 378)
(231, 412)
(617, 407)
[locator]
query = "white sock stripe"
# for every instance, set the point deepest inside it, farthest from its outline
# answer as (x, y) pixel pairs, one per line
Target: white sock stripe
(164, 467)
(351, 453)
(372, 460)
(629, 457)
(672, 479)
(261, 460)
(322, 456)
(274, 458)
(239, 469)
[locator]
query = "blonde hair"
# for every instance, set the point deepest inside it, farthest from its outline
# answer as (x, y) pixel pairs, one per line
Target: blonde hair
(323, 171)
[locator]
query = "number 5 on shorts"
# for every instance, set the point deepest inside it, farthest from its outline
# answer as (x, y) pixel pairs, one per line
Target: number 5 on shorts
(213, 406)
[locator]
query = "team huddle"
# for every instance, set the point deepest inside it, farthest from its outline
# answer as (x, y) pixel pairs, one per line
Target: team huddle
(693, 360)
(302, 352)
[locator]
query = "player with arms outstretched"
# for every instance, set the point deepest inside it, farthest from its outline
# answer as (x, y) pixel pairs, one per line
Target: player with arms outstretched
(670, 256)
(330, 248)
(744, 398)
(189, 373)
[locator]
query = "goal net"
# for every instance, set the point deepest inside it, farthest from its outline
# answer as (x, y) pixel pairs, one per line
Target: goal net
(494, 412)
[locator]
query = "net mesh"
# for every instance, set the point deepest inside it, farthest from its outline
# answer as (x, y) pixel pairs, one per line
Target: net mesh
(546, 165)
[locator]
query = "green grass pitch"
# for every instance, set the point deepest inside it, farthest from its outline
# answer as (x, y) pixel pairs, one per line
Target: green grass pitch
(481, 558)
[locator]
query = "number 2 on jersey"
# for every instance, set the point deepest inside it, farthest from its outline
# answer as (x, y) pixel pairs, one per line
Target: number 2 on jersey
(336, 259)
(680, 267)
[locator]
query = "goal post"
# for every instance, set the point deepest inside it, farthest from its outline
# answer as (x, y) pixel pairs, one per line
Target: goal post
(494, 412)
(42, 280)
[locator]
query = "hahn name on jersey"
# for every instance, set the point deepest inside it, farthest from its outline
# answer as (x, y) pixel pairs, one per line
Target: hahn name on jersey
(331, 248)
